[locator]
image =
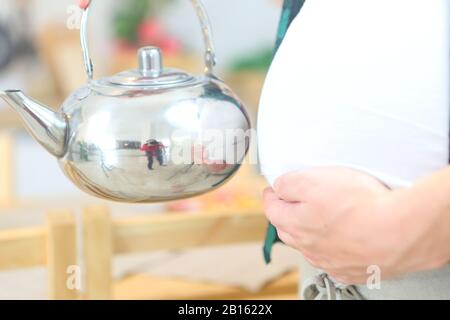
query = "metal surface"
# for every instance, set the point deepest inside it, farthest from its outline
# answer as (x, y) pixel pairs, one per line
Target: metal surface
(210, 54)
(88, 65)
(145, 135)
(150, 73)
(154, 145)
(134, 78)
(46, 126)
(150, 61)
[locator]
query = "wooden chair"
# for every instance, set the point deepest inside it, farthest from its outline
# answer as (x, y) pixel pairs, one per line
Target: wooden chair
(6, 169)
(53, 246)
(104, 237)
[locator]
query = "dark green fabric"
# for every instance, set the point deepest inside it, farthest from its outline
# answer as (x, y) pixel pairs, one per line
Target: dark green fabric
(291, 8)
(271, 240)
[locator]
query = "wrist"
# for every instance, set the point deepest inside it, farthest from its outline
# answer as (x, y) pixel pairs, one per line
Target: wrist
(422, 216)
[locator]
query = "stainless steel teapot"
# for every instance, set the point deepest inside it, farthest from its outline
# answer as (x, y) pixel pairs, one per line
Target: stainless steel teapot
(145, 135)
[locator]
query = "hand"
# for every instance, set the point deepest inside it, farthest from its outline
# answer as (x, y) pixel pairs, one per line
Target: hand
(84, 4)
(344, 221)
(200, 156)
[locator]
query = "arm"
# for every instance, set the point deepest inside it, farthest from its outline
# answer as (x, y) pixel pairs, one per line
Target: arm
(344, 221)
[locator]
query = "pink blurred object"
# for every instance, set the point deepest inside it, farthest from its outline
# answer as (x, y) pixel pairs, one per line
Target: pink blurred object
(201, 156)
(189, 205)
(151, 32)
(84, 4)
(123, 45)
(170, 46)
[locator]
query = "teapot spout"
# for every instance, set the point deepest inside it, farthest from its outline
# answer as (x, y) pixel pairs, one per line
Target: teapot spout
(46, 126)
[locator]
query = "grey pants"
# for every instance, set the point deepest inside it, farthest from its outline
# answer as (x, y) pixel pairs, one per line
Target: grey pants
(419, 286)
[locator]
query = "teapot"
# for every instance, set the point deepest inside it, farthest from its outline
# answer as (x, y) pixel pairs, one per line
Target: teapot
(145, 135)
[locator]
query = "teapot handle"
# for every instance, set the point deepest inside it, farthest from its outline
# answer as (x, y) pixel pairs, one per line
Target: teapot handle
(210, 55)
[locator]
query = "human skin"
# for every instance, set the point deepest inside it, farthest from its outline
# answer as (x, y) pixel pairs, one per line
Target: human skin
(344, 221)
(83, 4)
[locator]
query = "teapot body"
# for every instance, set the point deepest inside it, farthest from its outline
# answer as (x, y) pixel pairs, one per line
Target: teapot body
(136, 145)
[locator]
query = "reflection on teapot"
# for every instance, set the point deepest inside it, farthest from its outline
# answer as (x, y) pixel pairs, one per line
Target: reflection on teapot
(154, 149)
(130, 137)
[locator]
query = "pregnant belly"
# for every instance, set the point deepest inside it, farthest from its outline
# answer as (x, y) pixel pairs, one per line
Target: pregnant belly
(377, 104)
(394, 150)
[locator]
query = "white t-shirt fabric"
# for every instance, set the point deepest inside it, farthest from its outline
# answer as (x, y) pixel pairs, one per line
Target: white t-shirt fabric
(363, 84)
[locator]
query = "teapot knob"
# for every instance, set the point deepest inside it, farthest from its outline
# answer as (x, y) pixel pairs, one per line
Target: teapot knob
(150, 61)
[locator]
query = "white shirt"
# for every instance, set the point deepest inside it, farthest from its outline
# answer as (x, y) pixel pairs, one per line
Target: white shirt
(362, 84)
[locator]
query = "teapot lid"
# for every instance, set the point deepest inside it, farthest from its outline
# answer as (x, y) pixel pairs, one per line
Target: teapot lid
(150, 73)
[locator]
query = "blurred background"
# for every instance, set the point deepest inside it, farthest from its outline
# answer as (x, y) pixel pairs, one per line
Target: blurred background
(40, 54)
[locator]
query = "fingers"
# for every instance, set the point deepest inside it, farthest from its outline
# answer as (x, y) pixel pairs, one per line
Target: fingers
(296, 218)
(287, 239)
(84, 4)
(294, 187)
(280, 213)
(349, 278)
(312, 259)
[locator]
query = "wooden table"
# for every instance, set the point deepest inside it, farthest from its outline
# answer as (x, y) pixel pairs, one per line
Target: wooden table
(140, 287)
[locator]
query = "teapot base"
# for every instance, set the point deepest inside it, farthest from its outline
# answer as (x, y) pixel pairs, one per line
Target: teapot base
(162, 183)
